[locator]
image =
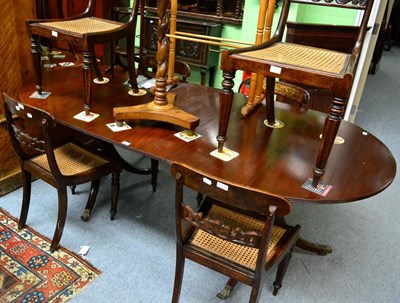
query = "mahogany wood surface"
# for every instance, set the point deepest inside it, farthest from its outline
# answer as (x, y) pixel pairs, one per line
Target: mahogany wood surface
(275, 160)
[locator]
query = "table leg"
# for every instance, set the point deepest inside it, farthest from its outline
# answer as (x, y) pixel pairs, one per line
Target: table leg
(321, 250)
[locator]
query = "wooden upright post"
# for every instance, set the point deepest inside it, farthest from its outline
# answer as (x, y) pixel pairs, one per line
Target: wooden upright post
(264, 25)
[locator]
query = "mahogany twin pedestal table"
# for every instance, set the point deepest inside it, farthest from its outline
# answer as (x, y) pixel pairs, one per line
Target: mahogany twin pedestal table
(275, 160)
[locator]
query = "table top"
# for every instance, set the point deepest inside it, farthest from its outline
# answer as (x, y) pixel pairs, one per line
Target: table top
(275, 160)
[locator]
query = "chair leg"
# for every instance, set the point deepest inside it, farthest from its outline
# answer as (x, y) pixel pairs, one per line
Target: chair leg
(87, 79)
(73, 189)
(270, 101)
(130, 56)
(256, 292)
(154, 173)
(94, 189)
(199, 199)
(281, 272)
(114, 193)
(26, 198)
(331, 127)
(225, 108)
(36, 55)
(62, 215)
(179, 269)
(96, 68)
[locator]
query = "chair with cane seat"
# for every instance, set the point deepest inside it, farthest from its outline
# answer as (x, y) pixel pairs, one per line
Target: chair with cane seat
(84, 31)
(60, 163)
(233, 232)
(301, 64)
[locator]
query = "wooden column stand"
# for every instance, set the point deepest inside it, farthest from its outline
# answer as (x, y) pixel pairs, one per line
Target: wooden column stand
(162, 108)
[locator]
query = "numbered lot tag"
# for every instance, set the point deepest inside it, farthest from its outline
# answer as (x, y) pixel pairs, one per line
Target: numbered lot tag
(226, 155)
(187, 135)
(87, 118)
(115, 128)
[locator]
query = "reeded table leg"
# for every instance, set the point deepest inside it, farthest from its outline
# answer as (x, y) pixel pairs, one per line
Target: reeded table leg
(226, 97)
(329, 133)
(87, 79)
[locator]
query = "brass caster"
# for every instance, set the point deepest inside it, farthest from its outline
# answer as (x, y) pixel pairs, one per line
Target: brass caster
(86, 215)
(225, 293)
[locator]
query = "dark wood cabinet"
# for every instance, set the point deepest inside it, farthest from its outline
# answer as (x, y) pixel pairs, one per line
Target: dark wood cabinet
(194, 53)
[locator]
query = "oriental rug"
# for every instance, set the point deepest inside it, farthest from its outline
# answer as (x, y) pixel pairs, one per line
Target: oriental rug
(30, 273)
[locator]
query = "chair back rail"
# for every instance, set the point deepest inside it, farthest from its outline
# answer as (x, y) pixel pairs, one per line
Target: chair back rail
(24, 127)
(234, 234)
(220, 190)
(361, 5)
(30, 132)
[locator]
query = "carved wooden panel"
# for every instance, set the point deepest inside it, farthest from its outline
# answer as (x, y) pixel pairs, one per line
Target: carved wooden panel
(358, 3)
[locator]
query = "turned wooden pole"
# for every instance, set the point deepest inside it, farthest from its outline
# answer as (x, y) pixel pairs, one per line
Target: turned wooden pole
(160, 98)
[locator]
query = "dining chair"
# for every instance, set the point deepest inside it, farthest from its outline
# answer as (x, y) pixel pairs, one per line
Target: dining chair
(301, 64)
(59, 162)
(85, 31)
(233, 232)
(118, 49)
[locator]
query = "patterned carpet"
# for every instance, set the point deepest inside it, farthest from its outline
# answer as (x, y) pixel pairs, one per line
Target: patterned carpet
(30, 273)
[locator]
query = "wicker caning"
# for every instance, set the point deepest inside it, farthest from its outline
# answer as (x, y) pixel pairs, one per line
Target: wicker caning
(302, 56)
(71, 159)
(243, 255)
(82, 26)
